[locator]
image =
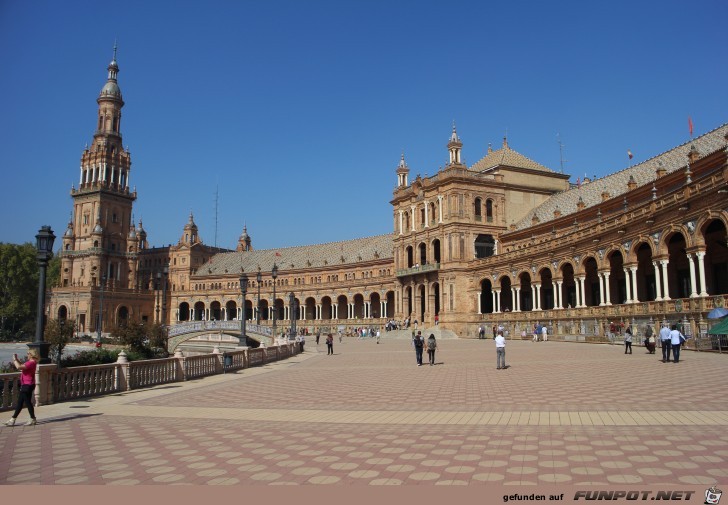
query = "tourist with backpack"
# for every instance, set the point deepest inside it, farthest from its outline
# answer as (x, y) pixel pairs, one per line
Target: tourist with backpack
(431, 347)
(419, 344)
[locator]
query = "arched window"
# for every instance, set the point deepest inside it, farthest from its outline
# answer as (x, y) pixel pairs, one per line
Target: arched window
(489, 210)
(478, 210)
(484, 246)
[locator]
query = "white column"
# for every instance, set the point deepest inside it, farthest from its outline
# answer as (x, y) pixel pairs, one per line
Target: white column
(383, 312)
(334, 311)
(494, 298)
(600, 276)
(427, 217)
(319, 309)
(664, 263)
(518, 300)
(413, 217)
(401, 222)
(480, 295)
(80, 177)
(495, 247)
(582, 280)
(439, 205)
(701, 272)
(606, 288)
(496, 304)
(538, 296)
(635, 298)
(557, 295)
(627, 283)
(693, 284)
(658, 282)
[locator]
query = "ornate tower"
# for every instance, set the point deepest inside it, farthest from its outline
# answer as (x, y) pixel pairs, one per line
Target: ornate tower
(454, 147)
(98, 243)
(402, 173)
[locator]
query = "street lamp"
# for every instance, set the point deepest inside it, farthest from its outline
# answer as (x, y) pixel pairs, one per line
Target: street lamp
(274, 274)
(258, 279)
(101, 311)
(244, 291)
(156, 295)
(292, 305)
(44, 248)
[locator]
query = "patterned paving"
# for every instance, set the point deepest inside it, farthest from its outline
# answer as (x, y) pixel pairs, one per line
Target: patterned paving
(562, 413)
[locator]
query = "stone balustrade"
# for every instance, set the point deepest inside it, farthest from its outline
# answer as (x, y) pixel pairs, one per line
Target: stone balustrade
(61, 384)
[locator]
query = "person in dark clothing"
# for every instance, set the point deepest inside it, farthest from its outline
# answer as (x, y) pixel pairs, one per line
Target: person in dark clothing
(431, 347)
(330, 344)
(419, 346)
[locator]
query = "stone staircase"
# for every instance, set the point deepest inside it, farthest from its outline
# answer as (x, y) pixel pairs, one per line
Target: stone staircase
(439, 332)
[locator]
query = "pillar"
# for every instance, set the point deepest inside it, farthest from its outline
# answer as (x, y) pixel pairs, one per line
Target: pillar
(701, 272)
(627, 284)
(664, 263)
(606, 289)
(693, 284)
(658, 282)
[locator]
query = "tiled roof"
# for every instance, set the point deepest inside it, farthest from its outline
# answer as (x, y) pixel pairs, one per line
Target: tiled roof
(301, 257)
(506, 156)
(616, 184)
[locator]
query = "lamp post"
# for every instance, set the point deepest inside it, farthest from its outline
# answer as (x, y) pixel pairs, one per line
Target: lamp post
(292, 305)
(101, 311)
(44, 248)
(156, 295)
(258, 279)
(274, 274)
(244, 291)
(165, 271)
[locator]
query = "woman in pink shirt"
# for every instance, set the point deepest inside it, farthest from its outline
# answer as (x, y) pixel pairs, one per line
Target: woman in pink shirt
(27, 386)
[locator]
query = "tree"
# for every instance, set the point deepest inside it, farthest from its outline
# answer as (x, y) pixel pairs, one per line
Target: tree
(146, 339)
(18, 289)
(58, 333)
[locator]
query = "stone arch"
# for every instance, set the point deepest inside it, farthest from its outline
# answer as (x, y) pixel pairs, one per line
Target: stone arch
(484, 246)
(435, 292)
(231, 310)
(359, 306)
(435, 245)
(670, 231)
(375, 304)
(678, 267)
(62, 313)
(546, 291)
(422, 256)
(567, 272)
(199, 311)
(310, 309)
(183, 311)
(216, 311)
(410, 256)
(715, 261)
(326, 311)
(264, 311)
(390, 304)
(342, 307)
(486, 297)
(590, 269)
(702, 224)
(524, 282)
(506, 296)
(122, 315)
(615, 259)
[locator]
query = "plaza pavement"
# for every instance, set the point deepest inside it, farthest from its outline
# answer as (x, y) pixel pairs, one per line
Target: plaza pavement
(562, 413)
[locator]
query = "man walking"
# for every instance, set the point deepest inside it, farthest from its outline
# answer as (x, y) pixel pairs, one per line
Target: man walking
(419, 346)
(665, 342)
(500, 351)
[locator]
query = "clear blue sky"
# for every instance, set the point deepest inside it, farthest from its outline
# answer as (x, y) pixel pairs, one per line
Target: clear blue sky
(297, 112)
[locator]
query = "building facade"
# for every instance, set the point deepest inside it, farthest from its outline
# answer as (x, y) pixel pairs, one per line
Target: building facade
(503, 241)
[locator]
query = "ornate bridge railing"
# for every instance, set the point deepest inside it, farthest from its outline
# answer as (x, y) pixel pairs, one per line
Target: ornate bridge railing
(197, 326)
(57, 385)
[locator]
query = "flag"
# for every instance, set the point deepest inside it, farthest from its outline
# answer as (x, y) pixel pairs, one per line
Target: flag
(629, 153)
(690, 125)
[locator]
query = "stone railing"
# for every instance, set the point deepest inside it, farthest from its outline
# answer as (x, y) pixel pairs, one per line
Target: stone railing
(62, 384)
(195, 326)
(429, 267)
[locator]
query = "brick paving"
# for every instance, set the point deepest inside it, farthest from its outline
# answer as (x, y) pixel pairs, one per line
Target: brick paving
(562, 413)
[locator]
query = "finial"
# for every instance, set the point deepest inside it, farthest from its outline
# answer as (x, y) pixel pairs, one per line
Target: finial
(114, 59)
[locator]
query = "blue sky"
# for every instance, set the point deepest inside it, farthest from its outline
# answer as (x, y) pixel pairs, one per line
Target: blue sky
(296, 113)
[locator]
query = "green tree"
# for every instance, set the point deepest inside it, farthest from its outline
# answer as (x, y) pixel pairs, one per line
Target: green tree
(53, 274)
(58, 333)
(18, 289)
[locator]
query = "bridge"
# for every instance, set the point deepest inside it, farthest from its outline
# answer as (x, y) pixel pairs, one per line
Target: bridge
(181, 332)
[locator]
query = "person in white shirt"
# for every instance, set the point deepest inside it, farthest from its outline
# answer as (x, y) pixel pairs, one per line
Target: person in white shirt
(500, 351)
(676, 339)
(665, 343)
(545, 333)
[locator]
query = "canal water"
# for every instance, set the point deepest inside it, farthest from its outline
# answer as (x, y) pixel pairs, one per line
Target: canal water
(7, 351)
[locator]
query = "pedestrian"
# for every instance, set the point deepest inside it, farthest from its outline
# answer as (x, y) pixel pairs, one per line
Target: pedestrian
(495, 331)
(437, 319)
(27, 386)
(500, 352)
(416, 323)
(665, 342)
(544, 333)
(535, 332)
(419, 346)
(318, 336)
(378, 336)
(329, 344)
(303, 341)
(341, 335)
(431, 347)
(676, 339)
(628, 340)
(481, 332)
(649, 339)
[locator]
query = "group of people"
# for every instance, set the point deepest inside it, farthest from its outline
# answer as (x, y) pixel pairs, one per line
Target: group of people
(420, 344)
(671, 339)
(540, 330)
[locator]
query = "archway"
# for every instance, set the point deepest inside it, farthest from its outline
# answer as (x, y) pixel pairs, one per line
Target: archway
(716, 259)
(678, 268)
(375, 304)
(486, 297)
(62, 313)
(326, 312)
(184, 311)
(231, 310)
(591, 283)
(123, 316)
(484, 246)
(199, 312)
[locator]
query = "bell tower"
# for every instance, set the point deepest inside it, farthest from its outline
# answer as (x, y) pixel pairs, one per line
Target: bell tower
(97, 244)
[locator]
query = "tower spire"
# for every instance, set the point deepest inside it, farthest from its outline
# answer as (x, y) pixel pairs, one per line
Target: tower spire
(454, 147)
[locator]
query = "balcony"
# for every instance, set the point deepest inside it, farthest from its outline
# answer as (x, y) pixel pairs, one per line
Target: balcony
(430, 267)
